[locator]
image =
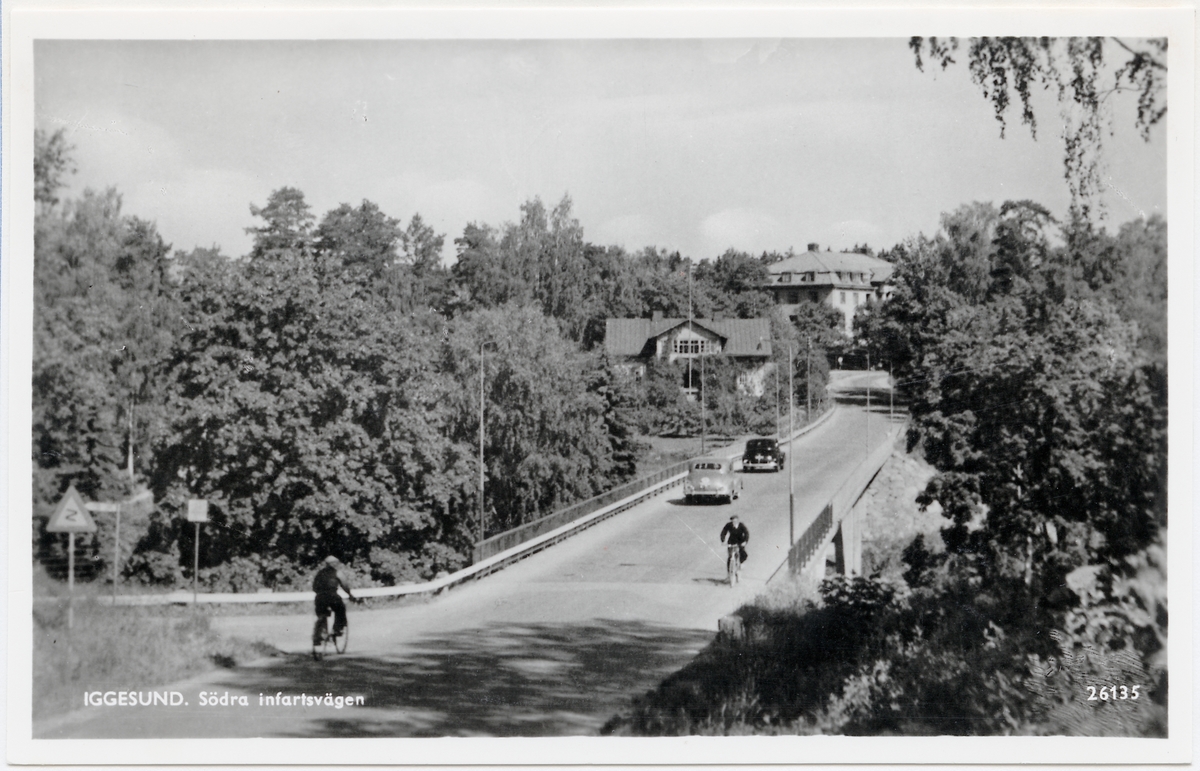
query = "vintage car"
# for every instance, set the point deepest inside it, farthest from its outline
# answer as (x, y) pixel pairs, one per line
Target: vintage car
(763, 455)
(712, 479)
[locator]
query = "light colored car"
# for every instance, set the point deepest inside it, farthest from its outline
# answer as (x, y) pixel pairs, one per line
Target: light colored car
(712, 479)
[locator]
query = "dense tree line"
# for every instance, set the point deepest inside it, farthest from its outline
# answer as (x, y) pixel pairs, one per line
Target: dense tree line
(323, 391)
(1036, 377)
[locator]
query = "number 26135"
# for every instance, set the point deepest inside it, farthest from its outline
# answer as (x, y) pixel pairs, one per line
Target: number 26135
(1113, 693)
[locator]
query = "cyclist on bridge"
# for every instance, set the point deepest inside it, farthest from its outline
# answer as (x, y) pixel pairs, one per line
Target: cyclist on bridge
(325, 584)
(736, 536)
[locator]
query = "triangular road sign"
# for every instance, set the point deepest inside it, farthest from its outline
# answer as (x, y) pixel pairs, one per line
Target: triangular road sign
(71, 515)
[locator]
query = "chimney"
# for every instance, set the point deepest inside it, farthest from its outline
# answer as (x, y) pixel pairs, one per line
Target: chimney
(814, 247)
(656, 316)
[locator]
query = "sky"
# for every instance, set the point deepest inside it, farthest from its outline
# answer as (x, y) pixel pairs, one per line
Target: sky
(689, 145)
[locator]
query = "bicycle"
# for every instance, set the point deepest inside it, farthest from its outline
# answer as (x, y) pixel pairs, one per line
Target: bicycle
(323, 632)
(733, 563)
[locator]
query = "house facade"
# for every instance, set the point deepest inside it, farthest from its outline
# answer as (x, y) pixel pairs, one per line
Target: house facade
(844, 281)
(635, 342)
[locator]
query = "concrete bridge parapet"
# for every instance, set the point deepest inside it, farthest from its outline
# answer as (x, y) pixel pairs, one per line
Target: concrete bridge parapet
(840, 524)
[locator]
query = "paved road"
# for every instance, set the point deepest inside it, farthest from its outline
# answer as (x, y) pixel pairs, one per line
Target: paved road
(553, 645)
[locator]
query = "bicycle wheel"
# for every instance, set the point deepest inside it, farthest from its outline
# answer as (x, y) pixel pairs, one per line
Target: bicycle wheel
(339, 642)
(320, 639)
(321, 632)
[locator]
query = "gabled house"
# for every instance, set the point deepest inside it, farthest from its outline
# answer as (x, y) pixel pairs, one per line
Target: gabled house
(635, 342)
(842, 280)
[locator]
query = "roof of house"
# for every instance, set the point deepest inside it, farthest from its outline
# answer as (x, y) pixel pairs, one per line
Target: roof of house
(743, 337)
(834, 262)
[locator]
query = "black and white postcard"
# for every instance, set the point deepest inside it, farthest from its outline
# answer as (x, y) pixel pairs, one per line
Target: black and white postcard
(575, 386)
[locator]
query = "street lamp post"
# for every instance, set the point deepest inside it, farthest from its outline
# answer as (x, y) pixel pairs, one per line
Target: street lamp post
(891, 395)
(481, 476)
(703, 413)
(807, 379)
(791, 464)
(868, 438)
(777, 431)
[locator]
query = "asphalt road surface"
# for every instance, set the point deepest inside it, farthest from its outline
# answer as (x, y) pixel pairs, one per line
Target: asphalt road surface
(553, 645)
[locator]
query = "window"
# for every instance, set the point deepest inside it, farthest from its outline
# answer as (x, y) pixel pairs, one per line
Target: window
(810, 276)
(785, 278)
(812, 296)
(693, 346)
(842, 299)
(794, 296)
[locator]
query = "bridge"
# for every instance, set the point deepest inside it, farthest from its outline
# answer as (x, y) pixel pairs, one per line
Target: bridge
(553, 644)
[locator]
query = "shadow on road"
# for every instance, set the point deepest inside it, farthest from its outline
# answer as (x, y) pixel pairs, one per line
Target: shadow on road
(696, 504)
(501, 680)
(857, 396)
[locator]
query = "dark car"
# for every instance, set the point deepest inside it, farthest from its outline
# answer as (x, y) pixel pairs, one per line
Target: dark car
(763, 455)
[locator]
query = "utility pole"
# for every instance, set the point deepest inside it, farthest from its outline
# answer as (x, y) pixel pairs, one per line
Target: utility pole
(808, 379)
(868, 437)
(703, 414)
(481, 443)
(891, 395)
(790, 462)
(777, 432)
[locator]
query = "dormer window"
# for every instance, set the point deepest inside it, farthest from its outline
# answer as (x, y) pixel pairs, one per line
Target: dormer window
(785, 278)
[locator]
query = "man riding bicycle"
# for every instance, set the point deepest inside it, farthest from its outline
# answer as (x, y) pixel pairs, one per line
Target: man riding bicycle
(325, 584)
(735, 536)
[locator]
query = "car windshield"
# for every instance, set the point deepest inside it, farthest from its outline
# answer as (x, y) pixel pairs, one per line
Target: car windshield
(707, 466)
(761, 444)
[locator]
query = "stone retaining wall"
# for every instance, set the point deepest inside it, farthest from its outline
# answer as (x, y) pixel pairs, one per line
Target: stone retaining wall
(890, 515)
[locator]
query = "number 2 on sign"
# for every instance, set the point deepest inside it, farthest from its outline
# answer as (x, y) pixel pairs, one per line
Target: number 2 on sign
(1113, 693)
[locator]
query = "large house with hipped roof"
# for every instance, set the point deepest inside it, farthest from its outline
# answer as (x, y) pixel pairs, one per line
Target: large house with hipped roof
(844, 281)
(632, 343)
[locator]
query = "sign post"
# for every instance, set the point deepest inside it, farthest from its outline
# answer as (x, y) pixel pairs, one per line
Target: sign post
(197, 512)
(113, 507)
(71, 516)
(145, 496)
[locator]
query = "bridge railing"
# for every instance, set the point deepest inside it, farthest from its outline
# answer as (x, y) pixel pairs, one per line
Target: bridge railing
(510, 539)
(518, 535)
(812, 537)
(819, 531)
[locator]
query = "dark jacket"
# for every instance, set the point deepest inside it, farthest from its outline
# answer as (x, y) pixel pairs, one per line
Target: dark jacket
(736, 535)
(327, 581)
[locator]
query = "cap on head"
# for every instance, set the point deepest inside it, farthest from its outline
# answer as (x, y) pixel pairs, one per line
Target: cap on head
(331, 560)
(735, 516)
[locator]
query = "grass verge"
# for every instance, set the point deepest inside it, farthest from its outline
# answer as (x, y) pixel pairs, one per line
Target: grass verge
(120, 647)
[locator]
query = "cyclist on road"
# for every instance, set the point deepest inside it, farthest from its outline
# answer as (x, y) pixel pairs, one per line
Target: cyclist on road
(326, 584)
(735, 535)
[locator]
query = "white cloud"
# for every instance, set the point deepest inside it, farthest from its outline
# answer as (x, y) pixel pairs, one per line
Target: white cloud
(746, 230)
(200, 208)
(631, 231)
(850, 232)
